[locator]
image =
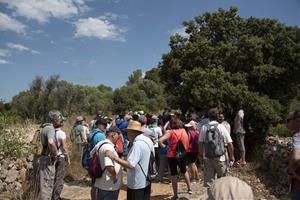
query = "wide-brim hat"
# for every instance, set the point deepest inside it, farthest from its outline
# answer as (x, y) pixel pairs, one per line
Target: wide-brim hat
(79, 119)
(134, 126)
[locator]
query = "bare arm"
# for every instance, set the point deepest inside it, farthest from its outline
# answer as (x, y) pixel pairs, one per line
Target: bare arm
(112, 172)
(164, 138)
(123, 163)
(201, 151)
(230, 151)
(52, 147)
(64, 149)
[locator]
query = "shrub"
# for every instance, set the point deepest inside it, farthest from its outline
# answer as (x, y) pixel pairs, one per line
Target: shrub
(12, 146)
(279, 130)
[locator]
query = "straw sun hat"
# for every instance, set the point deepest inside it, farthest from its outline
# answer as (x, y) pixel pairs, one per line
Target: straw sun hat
(134, 126)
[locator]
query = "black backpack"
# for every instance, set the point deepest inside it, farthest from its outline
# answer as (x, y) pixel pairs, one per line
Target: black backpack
(180, 150)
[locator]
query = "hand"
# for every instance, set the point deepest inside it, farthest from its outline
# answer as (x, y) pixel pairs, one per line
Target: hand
(109, 154)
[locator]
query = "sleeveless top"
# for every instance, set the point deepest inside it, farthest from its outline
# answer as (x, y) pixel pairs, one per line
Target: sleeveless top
(177, 134)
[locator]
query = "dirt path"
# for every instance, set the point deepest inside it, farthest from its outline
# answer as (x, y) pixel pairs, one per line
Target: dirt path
(77, 190)
(258, 180)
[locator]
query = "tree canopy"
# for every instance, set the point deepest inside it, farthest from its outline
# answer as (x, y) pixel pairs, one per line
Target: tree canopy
(228, 61)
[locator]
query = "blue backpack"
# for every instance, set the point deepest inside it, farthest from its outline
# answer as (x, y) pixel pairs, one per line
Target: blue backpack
(86, 158)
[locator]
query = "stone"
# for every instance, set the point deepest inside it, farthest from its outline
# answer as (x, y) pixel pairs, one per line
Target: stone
(2, 186)
(11, 176)
(29, 158)
(23, 175)
(3, 173)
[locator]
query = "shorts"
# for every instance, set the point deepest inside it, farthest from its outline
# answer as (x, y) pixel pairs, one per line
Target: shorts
(173, 166)
(240, 138)
(139, 194)
(191, 157)
(108, 195)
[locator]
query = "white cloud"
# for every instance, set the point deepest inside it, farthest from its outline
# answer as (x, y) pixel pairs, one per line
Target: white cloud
(4, 53)
(43, 10)
(180, 31)
(99, 28)
(20, 47)
(3, 61)
(112, 16)
(8, 23)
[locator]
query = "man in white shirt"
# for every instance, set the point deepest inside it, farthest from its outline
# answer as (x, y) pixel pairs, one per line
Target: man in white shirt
(240, 133)
(215, 165)
(109, 183)
(137, 163)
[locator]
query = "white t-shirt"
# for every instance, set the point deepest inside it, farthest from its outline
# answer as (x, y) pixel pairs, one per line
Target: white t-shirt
(60, 135)
(227, 126)
(106, 182)
(154, 133)
(85, 131)
(139, 154)
(223, 131)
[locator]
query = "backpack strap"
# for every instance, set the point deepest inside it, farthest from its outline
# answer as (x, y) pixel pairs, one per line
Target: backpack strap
(98, 151)
(147, 178)
(56, 141)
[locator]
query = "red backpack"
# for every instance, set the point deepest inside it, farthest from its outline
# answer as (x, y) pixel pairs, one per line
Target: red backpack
(94, 169)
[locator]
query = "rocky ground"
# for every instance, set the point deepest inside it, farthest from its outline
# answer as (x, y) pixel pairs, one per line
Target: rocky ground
(252, 174)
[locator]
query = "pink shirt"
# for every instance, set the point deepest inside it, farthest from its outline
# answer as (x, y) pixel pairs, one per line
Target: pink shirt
(193, 140)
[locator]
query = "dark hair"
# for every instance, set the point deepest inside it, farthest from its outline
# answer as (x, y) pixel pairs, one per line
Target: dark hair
(175, 123)
(213, 114)
(113, 129)
(101, 121)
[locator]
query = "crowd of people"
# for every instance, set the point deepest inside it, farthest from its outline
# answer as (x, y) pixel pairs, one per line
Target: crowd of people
(125, 145)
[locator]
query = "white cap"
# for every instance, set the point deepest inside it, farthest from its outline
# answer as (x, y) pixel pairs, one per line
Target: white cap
(191, 123)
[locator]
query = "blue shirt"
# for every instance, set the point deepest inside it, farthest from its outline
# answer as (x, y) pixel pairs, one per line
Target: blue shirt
(122, 126)
(97, 138)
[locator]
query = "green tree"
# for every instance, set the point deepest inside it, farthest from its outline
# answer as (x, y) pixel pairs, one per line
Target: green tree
(228, 61)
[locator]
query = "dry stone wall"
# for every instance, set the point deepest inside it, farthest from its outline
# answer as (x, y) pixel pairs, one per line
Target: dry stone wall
(275, 158)
(14, 177)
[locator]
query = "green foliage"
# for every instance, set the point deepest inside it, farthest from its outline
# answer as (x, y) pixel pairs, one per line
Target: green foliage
(279, 130)
(143, 94)
(228, 61)
(61, 95)
(11, 145)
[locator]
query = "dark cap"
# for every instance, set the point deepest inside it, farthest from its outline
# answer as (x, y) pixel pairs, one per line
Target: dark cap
(113, 129)
(56, 115)
(101, 121)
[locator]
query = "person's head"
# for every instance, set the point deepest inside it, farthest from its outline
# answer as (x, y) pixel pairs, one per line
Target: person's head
(175, 123)
(191, 125)
(154, 120)
(134, 129)
(229, 187)
(293, 120)
(79, 120)
(56, 118)
(221, 117)
(213, 114)
(143, 120)
(101, 124)
(113, 134)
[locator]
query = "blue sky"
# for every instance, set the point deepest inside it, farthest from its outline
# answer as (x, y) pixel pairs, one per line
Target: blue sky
(92, 42)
